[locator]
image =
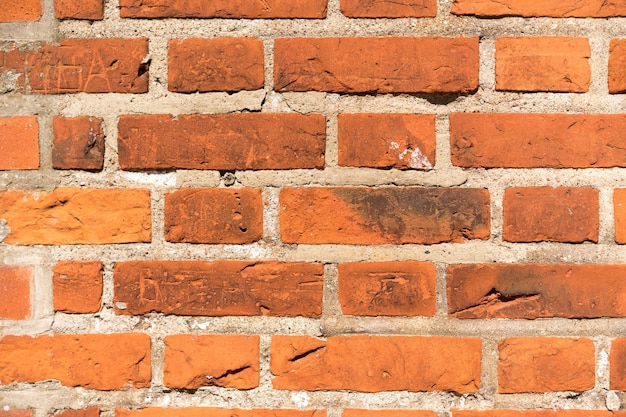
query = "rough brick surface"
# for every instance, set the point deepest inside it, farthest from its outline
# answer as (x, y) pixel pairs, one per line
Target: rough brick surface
(530, 291)
(533, 8)
(79, 9)
(16, 413)
(194, 361)
(85, 412)
(386, 215)
(19, 142)
(352, 412)
(76, 215)
(555, 64)
(222, 141)
(383, 65)
(197, 215)
(389, 8)
(15, 289)
(535, 214)
(79, 65)
(223, 64)
(91, 361)
(370, 363)
(77, 286)
(544, 364)
(497, 140)
(78, 143)
(23, 10)
(387, 288)
(221, 288)
(617, 65)
(218, 412)
(403, 141)
(617, 363)
(230, 9)
(619, 211)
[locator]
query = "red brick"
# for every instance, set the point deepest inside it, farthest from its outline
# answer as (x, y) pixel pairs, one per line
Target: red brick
(387, 288)
(512, 140)
(531, 291)
(537, 413)
(222, 64)
(22, 10)
(352, 412)
(217, 412)
(389, 8)
(16, 413)
(545, 364)
(222, 288)
(219, 215)
(617, 363)
(79, 9)
(77, 286)
(554, 64)
(536, 214)
(85, 412)
(15, 283)
(68, 216)
(91, 361)
(402, 141)
(78, 143)
(194, 361)
(617, 65)
(534, 8)
(222, 141)
(19, 142)
(383, 65)
(228, 9)
(80, 65)
(619, 212)
(385, 215)
(376, 363)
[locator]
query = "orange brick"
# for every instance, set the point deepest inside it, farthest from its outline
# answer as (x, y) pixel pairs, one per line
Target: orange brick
(385, 215)
(19, 142)
(403, 141)
(554, 64)
(23, 10)
(194, 361)
(545, 364)
(85, 412)
(376, 65)
(387, 288)
(617, 363)
(534, 8)
(76, 215)
(15, 283)
(352, 412)
(217, 412)
(370, 363)
(91, 361)
(79, 9)
(535, 214)
(78, 143)
(617, 66)
(619, 212)
(389, 8)
(16, 413)
(77, 286)
(537, 413)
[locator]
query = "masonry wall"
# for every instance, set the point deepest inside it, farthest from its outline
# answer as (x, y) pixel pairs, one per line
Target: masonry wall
(313, 208)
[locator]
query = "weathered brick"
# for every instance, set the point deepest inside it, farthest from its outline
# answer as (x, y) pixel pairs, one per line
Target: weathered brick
(16, 413)
(403, 141)
(219, 215)
(537, 413)
(534, 8)
(617, 65)
(383, 65)
(619, 212)
(389, 8)
(15, 284)
(194, 361)
(77, 286)
(353, 412)
(554, 64)
(79, 9)
(228, 9)
(530, 291)
(91, 361)
(85, 412)
(23, 10)
(387, 288)
(222, 141)
(76, 215)
(513, 140)
(545, 364)
(217, 412)
(222, 64)
(79, 65)
(384, 215)
(617, 364)
(19, 142)
(78, 143)
(376, 363)
(222, 288)
(564, 214)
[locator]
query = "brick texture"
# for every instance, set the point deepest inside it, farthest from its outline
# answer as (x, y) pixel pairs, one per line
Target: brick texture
(85, 412)
(218, 412)
(388, 8)
(619, 211)
(19, 142)
(532, 8)
(16, 413)
(79, 9)
(24, 10)
(352, 412)
(537, 413)
(15, 292)
(617, 61)
(78, 143)
(77, 286)
(617, 362)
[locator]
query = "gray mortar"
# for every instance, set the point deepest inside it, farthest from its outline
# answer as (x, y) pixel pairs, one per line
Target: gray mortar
(47, 397)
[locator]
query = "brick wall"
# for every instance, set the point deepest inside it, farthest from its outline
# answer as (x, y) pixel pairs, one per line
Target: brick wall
(321, 208)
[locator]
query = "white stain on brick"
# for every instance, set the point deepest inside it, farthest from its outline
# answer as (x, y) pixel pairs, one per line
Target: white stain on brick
(416, 160)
